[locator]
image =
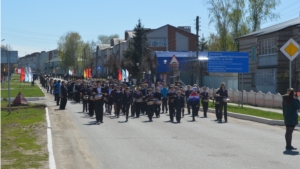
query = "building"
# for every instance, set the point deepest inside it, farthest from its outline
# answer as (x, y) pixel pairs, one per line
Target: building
(13, 60)
(269, 67)
(165, 38)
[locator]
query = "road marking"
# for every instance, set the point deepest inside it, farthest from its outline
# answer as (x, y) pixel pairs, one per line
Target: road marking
(50, 148)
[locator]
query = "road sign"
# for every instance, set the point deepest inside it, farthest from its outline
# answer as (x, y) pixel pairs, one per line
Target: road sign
(228, 62)
(290, 49)
(99, 67)
(174, 61)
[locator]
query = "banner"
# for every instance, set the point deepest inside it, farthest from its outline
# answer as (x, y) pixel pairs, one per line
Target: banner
(123, 74)
(119, 74)
(29, 75)
(26, 74)
(127, 75)
(84, 73)
(90, 73)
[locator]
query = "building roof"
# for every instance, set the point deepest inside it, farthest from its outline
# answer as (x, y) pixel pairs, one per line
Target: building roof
(274, 28)
(152, 30)
(103, 46)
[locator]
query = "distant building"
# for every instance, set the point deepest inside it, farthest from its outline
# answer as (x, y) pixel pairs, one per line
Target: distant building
(13, 59)
(165, 38)
(269, 67)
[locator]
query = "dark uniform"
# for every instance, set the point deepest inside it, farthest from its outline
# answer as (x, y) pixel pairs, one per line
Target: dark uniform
(110, 93)
(77, 93)
(64, 95)
(137, 96)
(133, 105)
(150, 107)
(179, 104)
(204, 101)
(118, 101)
(127, 100)
(84, 92)
(157, 96)
(187, 94)
(91, 102)
(223, 94)
(217, 106)
(171, 101)
(144, 103)
(98, 105)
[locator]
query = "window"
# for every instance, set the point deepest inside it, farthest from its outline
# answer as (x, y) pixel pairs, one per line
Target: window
(265, 77)
(157, 41)
(267, 46)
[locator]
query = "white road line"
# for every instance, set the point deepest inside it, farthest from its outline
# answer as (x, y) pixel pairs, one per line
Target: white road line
(50, 148)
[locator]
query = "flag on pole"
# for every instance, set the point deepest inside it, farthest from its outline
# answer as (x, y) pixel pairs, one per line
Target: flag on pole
(119, 74)
(127, 75)
(84, 73)
(26, 74)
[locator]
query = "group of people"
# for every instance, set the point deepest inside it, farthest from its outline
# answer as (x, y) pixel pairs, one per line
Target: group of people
(126, 98)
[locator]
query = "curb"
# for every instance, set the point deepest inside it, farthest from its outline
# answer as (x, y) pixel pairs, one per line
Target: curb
(252, 118)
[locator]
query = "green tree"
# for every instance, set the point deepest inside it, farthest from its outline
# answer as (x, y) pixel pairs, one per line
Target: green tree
(70, 50)
(105, 39)
(261, 10)
(138, 52)
(203, 44)
(219, 11)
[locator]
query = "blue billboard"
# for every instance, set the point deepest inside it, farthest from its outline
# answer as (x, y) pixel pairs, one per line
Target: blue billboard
(228, 62)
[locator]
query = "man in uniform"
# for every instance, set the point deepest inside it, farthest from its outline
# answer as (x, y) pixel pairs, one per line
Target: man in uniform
(171, 99)
(91, 101)
(187, 94)
(179, 103)
(127, 100)
(157, 96)
(223, 94)
(138, 101)
(204, 101)
(84, 93)
(98, 103)
(150, 107)
(164, 92)
(194, 101)
(118, 100)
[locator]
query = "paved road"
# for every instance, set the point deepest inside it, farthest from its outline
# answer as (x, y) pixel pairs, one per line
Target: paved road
(79, 143)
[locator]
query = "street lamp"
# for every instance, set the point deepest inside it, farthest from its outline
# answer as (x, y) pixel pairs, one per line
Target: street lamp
(202, 58)
(8, 86)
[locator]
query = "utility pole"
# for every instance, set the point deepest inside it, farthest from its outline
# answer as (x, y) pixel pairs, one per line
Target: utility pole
(197, 48)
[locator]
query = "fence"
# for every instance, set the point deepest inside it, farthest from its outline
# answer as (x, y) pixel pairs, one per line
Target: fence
(252, 98)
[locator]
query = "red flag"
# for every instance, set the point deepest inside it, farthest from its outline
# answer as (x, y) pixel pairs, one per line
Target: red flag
(22, 75)
(119, 74)
(90, 72)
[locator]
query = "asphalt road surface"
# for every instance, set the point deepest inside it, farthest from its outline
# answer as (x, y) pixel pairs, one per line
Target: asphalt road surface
(139, 144)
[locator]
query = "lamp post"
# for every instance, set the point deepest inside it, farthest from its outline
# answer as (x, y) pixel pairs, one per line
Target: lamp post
(165, 62)
(8, 75)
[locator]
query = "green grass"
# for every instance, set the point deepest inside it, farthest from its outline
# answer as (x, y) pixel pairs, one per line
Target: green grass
(20, 145)
(253, 112)
(16, 87)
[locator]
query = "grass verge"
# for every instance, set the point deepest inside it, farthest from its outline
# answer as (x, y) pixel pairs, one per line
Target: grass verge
(253, 112)
(16, 87)
(23, 140)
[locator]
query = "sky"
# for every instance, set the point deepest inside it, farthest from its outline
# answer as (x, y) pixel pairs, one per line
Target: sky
(30, 26)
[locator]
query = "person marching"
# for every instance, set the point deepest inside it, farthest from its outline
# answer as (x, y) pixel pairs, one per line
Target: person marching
(223, 94)
(64, 95)
(179, 103)
(150, 104)
(204, 101)
(57, 91)
(194, 101)
(164, 92)
(110, 93)
(144, 103)
(99, 101)
(91, 101)
(184, 100)
(132, 91)
(157, 96)
(171, 96)
(127, 100)
(217, 106)
(85, 97)
(187, 94)
(118, 100)
(77, 92)
(138, 96)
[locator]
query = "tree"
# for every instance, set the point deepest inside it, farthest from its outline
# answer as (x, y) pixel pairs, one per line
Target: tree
(70, 50)
(213, 42)
(191, 67)
(203, 44)
(105, 39)
(6, 47)
(138, 51)
(261, 10)
(219, 14)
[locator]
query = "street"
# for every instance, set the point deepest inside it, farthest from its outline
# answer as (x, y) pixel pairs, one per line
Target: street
(80, 143)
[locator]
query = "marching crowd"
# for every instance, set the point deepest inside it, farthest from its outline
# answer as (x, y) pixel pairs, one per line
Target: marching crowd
(123, 97)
